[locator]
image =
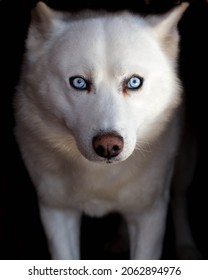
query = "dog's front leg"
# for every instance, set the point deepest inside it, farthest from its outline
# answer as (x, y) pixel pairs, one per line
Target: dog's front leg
(146, 232)
(62, 228)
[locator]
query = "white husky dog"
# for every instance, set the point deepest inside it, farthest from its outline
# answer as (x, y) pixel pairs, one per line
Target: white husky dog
(98, 121)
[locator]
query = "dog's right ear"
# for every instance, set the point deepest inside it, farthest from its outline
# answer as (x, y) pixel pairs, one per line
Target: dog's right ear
(42, 15)
(42, 18)
(44, 21)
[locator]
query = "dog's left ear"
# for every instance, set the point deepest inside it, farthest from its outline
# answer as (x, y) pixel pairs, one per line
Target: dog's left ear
(165, 27)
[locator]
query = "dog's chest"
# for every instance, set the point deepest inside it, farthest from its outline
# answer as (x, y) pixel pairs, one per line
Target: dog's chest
(98, 190)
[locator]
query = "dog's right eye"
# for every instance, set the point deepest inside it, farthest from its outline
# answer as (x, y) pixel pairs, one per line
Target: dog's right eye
(79, 83)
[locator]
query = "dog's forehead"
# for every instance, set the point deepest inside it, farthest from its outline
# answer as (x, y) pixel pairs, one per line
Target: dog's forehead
(116, 40)
(110, 28)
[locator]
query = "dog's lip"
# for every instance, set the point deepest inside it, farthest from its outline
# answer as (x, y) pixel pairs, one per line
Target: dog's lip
(110, 161)
(100, 160)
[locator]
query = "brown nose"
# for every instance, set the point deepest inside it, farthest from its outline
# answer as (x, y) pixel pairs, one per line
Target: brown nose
(108, 145)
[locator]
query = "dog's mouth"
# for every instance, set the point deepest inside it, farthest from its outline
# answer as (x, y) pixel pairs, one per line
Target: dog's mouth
(112, 161)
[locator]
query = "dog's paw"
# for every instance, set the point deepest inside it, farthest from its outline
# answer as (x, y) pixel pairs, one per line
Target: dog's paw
(188, 253)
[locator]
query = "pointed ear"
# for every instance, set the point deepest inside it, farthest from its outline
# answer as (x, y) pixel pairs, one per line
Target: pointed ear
(165, 28)
(42, 25)
(42, 17)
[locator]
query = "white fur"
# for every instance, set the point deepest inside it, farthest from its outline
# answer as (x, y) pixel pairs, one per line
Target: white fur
(55, 123)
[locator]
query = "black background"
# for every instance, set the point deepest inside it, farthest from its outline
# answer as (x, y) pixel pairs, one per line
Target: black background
(21, 232)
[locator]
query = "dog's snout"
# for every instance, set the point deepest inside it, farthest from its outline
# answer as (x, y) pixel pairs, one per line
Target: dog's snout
(108, 145)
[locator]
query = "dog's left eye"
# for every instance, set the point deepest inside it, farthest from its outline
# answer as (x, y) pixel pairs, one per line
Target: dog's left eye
(134, 82)
(79, 83)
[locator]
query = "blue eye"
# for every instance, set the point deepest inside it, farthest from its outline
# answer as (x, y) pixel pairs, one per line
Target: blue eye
(79, 83)
(134, 82)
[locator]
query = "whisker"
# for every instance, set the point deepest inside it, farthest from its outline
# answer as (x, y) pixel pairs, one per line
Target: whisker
(144, 147)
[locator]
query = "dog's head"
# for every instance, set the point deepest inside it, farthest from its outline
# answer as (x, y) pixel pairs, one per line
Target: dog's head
(106, 80)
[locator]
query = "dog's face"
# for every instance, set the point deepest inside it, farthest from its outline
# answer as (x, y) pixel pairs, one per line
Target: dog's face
(109, 79)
